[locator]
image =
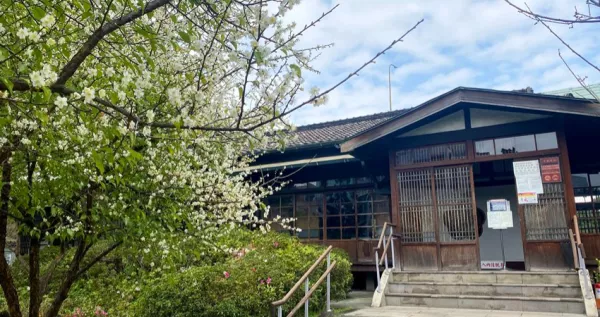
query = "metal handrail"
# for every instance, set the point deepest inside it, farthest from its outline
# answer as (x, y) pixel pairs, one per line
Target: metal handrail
(386, 243)
(277, 306)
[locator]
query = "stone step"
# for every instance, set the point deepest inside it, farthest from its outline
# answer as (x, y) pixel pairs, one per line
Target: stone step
(512, 303)
(493, 277)
(492, 289)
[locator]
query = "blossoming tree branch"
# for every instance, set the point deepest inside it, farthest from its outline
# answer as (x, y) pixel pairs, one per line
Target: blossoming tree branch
(127, 123)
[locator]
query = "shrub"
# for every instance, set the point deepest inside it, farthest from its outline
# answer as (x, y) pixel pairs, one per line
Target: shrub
(265, 268)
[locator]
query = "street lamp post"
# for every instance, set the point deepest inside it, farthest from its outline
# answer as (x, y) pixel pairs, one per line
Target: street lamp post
(390, 82)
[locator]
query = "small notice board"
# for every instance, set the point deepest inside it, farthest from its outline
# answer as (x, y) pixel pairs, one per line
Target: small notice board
(499, 215)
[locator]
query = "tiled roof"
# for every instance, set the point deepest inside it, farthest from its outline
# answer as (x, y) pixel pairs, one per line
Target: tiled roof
(578, 92)
(337, 131)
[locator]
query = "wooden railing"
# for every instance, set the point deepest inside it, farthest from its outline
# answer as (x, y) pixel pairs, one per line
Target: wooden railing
(384, 241)
(577, 246)
(277, 306)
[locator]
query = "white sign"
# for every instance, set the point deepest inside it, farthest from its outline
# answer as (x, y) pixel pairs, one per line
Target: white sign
(528, 198)
(498, 205)
(500, 219)
(492, 265)
(528, 177)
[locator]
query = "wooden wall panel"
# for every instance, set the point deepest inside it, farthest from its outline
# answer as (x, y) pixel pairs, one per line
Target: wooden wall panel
(419, 257)
(365, 253)
(459, 257)
(348, 245)
(591, 244)
(548, 256)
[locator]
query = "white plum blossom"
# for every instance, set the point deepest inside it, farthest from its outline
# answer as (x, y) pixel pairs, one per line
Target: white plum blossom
(102, 93)
(47, 21)
(34, 36)
(23, 33)
(150, 116)
(60, 102)
(37, 80)
(89, 94)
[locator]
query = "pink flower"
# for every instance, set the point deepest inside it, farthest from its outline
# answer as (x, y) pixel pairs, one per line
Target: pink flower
(262, 282)
(269, 280)
(226, 274)
(276, 244)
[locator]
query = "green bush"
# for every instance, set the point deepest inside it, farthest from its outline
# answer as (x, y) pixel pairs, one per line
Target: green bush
(125, 285)
(244, 285)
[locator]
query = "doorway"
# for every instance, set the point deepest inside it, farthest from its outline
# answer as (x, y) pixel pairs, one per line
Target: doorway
(495, 180)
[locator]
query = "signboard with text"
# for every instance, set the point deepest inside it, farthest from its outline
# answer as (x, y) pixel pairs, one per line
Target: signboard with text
(550, 167)
(492, 265)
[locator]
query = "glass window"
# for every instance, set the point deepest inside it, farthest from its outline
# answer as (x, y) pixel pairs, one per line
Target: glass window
(587, 201)
(484, 148)
(580, 180)
(517, 144)
(595, 179)
(309, 215)
(334, 234)
(546, 141)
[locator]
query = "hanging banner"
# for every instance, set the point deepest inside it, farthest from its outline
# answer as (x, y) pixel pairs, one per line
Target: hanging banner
(528, 198)
(550, 169)
(528, 177)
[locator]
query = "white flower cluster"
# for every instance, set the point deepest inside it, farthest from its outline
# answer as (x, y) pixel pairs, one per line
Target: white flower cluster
(43, 77)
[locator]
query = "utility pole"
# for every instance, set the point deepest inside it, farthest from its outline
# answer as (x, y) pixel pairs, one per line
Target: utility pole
(390, 82)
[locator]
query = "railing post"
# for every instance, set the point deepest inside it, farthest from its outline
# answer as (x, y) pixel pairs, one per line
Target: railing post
(385, 251)
(280, 311)
(377, 268)
(328, 286)
(392, 245)
(306, 303)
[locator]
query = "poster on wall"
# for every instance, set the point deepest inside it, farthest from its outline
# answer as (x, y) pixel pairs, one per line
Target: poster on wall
(550, 169)
(527, 198)
(528, 177)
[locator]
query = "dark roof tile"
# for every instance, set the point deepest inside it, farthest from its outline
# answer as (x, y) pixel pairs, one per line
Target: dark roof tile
(337, 131)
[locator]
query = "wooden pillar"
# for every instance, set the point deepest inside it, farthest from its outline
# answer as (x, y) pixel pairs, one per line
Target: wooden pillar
(394, 202)
(565, 167)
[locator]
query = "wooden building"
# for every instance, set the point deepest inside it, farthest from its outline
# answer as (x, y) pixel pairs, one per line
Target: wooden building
(429, 168)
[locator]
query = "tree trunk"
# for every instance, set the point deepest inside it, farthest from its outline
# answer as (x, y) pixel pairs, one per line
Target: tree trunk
(6, 280)
(35, 299)
(66, 284)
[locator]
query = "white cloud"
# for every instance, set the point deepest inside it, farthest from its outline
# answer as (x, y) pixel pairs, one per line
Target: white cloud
(484, 44)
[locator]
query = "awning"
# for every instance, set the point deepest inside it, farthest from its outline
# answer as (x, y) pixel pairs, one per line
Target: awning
(301, 163)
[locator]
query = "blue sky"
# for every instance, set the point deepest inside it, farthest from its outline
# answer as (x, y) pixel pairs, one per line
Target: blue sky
(475, 43)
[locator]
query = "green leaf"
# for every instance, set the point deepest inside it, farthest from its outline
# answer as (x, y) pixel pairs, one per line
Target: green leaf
(185, 37)
(47, 93)
(9, 85)
(241, 91)
(135, 155)
(297, 70)
(37, 12)
(98, 161)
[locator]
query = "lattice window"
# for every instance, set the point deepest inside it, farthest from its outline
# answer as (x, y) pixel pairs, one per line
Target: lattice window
(341, 216)
(454, 204)
(546, 220)
(416, 206)
(435, 153)
(282, 206)
(372, 212)
(309, 216)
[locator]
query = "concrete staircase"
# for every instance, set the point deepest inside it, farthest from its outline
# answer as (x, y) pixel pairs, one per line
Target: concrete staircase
(497, 290)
